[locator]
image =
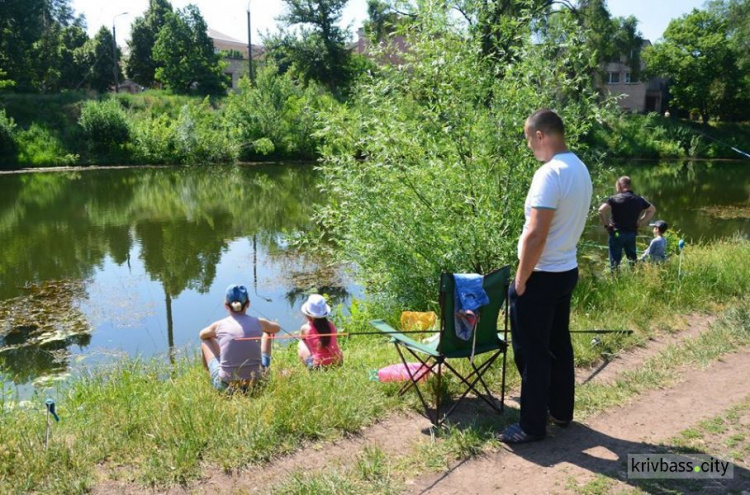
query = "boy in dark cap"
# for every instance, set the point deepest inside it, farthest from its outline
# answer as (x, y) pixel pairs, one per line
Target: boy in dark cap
(657, 250)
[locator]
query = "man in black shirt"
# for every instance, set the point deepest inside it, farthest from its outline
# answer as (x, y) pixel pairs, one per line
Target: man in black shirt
(622, 215)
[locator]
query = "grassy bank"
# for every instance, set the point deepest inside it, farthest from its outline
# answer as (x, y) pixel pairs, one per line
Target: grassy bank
(274, 120)
(654, 136)
(161, 425)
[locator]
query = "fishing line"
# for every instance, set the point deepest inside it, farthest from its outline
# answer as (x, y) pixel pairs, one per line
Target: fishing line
(269, 319)
(736, 150)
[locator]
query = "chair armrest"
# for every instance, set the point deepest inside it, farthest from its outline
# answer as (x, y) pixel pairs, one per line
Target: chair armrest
(401, 339)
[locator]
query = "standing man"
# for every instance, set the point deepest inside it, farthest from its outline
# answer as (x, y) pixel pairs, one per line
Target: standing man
(556, 209)
(628, 212)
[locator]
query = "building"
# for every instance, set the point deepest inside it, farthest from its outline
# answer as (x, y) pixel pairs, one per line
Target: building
(235, 54)
(635, 95)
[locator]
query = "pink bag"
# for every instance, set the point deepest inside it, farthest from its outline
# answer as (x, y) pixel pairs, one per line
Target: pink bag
(399, 373)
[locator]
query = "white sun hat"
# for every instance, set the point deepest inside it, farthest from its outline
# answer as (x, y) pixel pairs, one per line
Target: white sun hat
(316, 307)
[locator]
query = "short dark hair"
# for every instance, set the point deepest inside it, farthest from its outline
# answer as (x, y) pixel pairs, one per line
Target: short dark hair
(547, 121)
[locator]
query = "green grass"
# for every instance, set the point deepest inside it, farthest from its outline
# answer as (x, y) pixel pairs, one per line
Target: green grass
(154, 424)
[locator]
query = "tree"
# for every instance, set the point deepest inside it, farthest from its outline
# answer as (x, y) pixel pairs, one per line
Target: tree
(382, 20)
(426, 169)
(319, 52)
(184, 54)
(140, 66)
(96, 56)
(20, 27)
(72, 73)
(36, 43)
(699, 63)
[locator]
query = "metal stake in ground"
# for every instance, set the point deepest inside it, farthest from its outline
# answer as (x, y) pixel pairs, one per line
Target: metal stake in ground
(680, 246)
(50, 412)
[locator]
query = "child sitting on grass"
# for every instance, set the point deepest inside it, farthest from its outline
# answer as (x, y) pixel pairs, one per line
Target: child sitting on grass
(657, 250)
(318, 347)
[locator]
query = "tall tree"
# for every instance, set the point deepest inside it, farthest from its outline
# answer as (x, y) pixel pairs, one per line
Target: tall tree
(699, 63)
(737, 15)
(319, 50)
(72, 73)
(140, 66)
(382, 20)
(36, 42)
(97, 56)
(185, 57)
(21, 25)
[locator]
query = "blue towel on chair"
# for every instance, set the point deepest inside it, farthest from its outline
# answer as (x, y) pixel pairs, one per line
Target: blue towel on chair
(469, 297)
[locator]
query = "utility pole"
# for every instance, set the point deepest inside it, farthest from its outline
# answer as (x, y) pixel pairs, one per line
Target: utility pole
(115, 65)
(251, 72)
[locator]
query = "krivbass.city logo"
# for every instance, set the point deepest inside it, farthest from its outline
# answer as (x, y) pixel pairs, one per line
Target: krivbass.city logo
(694, 466)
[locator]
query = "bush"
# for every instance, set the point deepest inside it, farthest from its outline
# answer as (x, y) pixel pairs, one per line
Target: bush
(8, 148)
(197, 135)
(38, 146)
(279, 112)
(105, 126)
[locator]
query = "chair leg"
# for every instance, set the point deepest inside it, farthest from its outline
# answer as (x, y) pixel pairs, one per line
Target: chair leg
(502, 386)
(438, 393)
(412, 381)
(471, 385)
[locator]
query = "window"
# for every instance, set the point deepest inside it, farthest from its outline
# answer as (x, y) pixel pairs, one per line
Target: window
(627, 78)
(613, 78)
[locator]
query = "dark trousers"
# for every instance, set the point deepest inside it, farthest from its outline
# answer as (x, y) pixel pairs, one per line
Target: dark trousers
(619, 240)
(542, 350)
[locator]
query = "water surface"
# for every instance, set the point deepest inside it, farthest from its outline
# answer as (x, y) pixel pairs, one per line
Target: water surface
(100, 264)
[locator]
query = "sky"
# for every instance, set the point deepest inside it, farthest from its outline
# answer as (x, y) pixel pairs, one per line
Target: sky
(230, 16)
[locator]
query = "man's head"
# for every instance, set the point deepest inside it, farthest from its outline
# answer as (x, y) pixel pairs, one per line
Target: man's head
(623, 184)
(545, 134)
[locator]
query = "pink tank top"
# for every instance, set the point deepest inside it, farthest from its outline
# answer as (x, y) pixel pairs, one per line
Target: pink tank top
(323, 356)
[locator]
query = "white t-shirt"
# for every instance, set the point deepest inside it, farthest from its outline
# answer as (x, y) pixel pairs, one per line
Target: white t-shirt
(563, 184)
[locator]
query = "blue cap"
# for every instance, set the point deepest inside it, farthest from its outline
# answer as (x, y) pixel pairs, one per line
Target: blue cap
(237, 293)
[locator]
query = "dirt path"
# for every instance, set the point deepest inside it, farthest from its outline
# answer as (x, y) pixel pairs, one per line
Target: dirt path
(601, 446)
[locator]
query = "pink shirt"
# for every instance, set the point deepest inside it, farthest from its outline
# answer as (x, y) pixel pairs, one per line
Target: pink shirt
(323, 356)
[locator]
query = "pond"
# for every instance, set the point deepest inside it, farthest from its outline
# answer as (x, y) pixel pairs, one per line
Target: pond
(99, 264)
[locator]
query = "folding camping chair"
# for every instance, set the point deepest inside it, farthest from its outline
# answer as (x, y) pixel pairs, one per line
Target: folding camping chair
(435, 355)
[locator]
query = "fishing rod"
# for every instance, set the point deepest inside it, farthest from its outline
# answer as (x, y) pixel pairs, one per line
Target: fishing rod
(354, 334)
(736, 150)
(342, 334)
(629, 332)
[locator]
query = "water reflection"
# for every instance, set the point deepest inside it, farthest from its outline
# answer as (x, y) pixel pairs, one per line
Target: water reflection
(174, 226)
